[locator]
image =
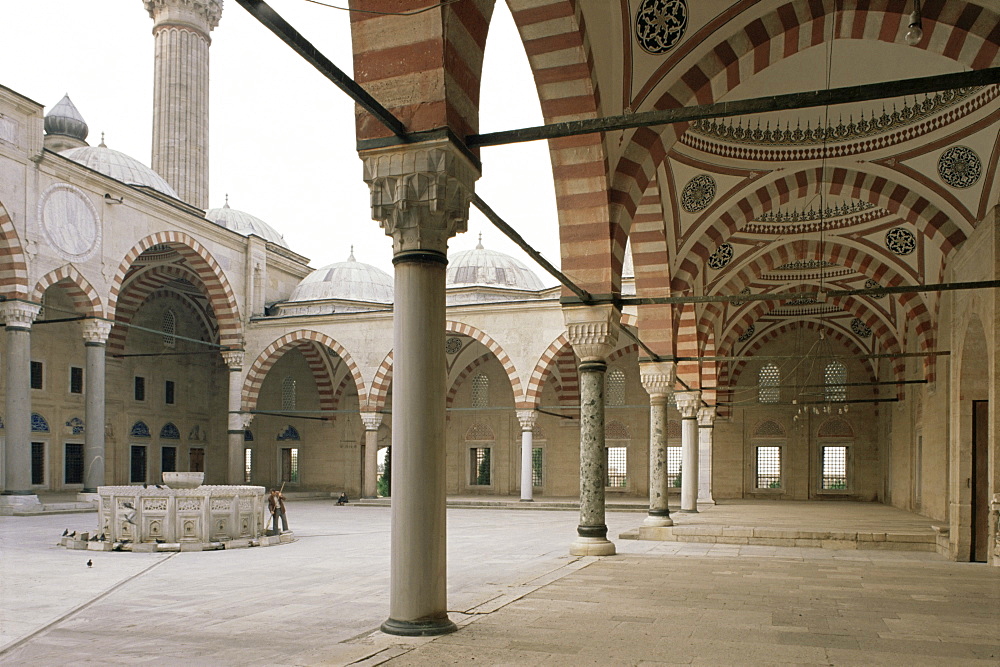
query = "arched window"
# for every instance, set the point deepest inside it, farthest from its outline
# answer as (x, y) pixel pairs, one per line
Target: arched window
(169, 327)
(614, 387)
(288, 393)
(769, 384)
(836, 381)
(481, 391)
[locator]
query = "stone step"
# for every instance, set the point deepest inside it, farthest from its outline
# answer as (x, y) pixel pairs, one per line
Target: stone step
(782, 537)
(465, 503)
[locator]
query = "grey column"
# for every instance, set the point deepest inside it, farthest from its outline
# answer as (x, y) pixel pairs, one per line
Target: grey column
(420, 196)
(18, 317)
(688, 403)
(95, 338)
(527, 420)
(706, 427)
(369, 472)
(658, 380)
(592, 331)
(235, 428)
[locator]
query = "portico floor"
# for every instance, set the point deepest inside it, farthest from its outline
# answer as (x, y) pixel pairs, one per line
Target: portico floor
(516, 594)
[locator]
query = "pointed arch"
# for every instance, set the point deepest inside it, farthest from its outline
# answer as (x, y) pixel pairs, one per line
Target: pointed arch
(542, 371)
(83, 295)
(380, 385)
(13, 265)
(494, 347)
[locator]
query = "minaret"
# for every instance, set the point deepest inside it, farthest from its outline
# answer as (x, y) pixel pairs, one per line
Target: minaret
(180, 93)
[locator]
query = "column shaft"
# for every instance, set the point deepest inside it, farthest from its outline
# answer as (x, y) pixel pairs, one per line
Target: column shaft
(93, 440)
(659, 511)
(527, 447)
(17, 448)
(234, 427)
(706, 428)
(369, 476)
(689, 464)
(592, 472)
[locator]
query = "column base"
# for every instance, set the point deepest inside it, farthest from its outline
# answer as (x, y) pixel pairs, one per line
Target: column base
(592, 546)
(706, 501)
(440, 626)
(657, 521)
(19, 503)
(527, 500)
(692, 511)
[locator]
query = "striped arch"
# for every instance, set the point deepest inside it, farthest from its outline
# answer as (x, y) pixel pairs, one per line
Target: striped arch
(561, 60)
(381, 384)
(650, 259)
(140, 287)
(709, 369)
(622, 352)
(216, 286)
(307, 342)
(963, 31)
(453, 391)
(83, 295)
(688, 372)
(13, 265)
(935, 224)
(629, 320)
(494, 347)
(543, 370)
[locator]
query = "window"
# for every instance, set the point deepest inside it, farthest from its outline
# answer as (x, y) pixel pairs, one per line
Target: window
(835, 376)
(36, 374)
(37, 463)
(75, 380)
(169, 328)
(168, 459)
(614, 387)
(196, 459)
(247, 465)
(137, 469)
(168, 392)
(290, 465)
(73, 469)
(616, 466)
(536, 466)
(768, 467)
(834, 468)
(481, 391)
(288, 394)
(139, 388)
(768, 384)
(674, 467)
(479, 466)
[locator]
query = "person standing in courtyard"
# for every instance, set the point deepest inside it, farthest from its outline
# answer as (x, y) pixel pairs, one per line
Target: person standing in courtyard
(276, 503)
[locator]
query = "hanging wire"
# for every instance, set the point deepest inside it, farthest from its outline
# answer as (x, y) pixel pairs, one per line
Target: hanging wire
(413, 12)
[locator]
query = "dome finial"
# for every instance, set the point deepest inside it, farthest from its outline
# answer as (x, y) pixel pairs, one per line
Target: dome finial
(102, 145)
(479, 246)
(226, 205)
(350, 258)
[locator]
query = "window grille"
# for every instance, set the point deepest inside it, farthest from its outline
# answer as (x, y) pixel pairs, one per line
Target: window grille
(769, 429)
(616, 466)
(769, 467)
(168, 392)
(674, 467)
(168, 459)
(536, 466)
(615, 430)
(481, 391)
(74, 463)
(139, 388)
(834, 468)
(288, 393)
(247, 465)
(614, 387)
(290, 465)
(169, 328)
(768, 385)
(479, 432)
(36, 374)
(75, 380)
(196, 459)
(479, 461)
(836, 381)
(37, 463)
(137, 473)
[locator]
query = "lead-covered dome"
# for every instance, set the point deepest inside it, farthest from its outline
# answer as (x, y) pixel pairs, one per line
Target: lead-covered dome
(348, 281)
(488, 268)
(244, 223)
(119, 166)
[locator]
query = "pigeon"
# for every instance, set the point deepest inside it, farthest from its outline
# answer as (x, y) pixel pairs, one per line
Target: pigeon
(90, 563)
(158, 486)
(94, 538)
(128, 506)
(65, 532)
(103, 537)
(145, 486)
(117, 547)
(159, 541)
(73, 534)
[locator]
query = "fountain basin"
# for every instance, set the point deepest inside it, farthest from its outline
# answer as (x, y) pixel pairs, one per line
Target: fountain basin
(183, 480)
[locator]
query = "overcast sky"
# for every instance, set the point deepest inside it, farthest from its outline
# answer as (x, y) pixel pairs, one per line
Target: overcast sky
(282, 136)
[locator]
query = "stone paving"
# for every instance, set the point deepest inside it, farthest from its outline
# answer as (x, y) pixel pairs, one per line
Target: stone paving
(517, 596)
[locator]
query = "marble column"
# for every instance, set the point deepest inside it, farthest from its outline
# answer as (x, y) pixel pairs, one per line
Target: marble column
(688, 403)
(180, 93)
(527, 419)
(18, 317)
(706, 427)
(95, 339)
(235, 429)
(420, 196)
(592, 331)
(657, 379)
(369, 472)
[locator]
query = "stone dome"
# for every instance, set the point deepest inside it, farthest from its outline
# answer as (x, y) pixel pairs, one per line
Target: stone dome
(488, 268)
(351, 281)
(244, 223)
(119, 166)
(64, 119)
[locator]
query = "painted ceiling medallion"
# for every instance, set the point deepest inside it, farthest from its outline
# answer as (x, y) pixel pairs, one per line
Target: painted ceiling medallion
(453, 345)
(900, 241)
(660, 24)
(746, 335)
(871, 283)
(698, 193)
(860, 328)
(721, 257)
(739, 302)
(960, 167)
